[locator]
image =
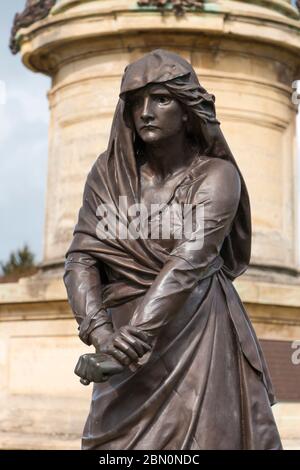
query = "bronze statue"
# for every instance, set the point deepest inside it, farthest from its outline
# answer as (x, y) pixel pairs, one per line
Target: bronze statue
(177, 362)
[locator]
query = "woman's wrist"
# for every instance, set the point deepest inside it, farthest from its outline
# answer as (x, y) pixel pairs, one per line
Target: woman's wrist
(100, 335)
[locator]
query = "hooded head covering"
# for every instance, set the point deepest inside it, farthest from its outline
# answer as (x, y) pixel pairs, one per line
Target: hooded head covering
(178, 76)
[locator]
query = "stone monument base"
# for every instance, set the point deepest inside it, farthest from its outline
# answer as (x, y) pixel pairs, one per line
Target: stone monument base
(46, 406)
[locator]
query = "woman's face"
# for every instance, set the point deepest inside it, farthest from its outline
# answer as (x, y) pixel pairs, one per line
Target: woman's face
(157, 116)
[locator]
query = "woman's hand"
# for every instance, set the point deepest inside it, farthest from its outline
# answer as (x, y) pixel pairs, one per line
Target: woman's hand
(114, 351)
(97, 368)
(101, 336)
(127, 345)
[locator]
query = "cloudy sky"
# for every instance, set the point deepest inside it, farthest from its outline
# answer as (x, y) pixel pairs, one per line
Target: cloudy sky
(23, 146)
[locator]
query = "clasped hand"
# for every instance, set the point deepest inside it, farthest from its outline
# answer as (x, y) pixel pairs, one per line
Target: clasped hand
(114, 351)
(127, 345)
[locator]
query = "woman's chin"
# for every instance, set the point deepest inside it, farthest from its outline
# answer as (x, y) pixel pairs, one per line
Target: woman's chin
(153, 137)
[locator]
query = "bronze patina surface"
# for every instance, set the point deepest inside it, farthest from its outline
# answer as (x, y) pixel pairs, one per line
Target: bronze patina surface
(177, 362)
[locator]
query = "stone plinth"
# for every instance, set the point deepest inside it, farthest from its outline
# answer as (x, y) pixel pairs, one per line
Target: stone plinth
(46, 406)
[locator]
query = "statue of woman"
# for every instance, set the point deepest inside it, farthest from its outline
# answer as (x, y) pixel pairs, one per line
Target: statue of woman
(188, 369)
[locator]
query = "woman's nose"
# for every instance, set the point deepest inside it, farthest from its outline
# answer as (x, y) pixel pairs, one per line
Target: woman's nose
(147, 111)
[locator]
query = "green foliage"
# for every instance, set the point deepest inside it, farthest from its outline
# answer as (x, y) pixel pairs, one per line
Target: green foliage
(19, 262)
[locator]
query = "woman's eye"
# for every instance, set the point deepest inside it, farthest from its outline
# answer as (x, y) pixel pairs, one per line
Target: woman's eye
(135, 103)
(163, 99)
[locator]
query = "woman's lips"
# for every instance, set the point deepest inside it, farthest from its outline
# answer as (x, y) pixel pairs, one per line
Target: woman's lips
(149, 128)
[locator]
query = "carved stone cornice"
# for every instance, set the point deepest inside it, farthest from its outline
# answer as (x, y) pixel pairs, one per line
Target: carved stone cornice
(34, 10)
(179, 6)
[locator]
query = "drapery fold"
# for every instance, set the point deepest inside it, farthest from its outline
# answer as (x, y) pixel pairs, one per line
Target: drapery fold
(205, 354)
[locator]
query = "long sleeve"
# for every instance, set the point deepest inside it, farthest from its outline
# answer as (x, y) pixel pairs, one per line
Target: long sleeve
(83, 283)
(191, 259)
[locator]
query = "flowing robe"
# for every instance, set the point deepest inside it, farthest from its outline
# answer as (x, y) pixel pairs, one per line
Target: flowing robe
(204, 384)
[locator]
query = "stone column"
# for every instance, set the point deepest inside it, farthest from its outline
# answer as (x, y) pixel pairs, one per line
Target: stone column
(244, 53)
